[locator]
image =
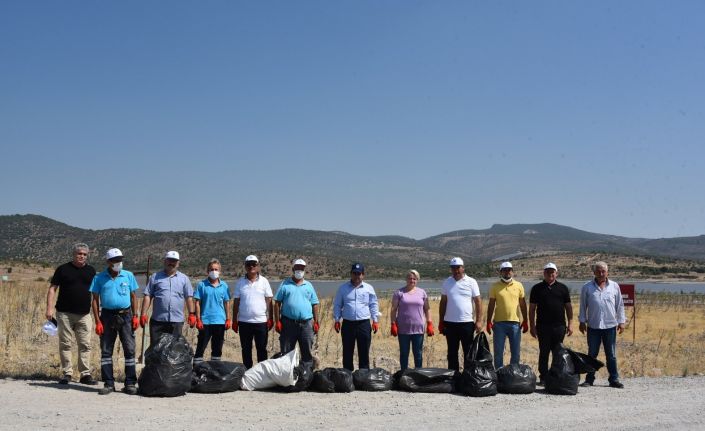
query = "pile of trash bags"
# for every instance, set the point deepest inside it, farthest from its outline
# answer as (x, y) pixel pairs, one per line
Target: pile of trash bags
(567, 365)
(168, 370)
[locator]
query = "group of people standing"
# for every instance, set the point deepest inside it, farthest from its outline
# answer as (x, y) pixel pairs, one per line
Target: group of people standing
(251, 309)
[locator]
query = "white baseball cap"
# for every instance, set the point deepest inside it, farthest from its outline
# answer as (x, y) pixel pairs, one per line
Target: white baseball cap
(505, 265)
(251, 258)
(456, 261)
(299, 262)
(172, 255)
(112, 253)
(550, 265)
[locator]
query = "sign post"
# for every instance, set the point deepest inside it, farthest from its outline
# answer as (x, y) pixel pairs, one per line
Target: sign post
(629, 298)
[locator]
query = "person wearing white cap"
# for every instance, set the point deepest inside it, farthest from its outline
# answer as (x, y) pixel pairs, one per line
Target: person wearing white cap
(460, 311)
(212, 298)
(252, 311)
(171, 289)
(73, 313)
(506, 296)
(549, 306)
(296, 313)
(115, 312)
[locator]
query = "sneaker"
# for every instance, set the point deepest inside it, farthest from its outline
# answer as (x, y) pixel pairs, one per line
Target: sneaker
(65, 380)
(88, 380)
(106, 390)
(586, 384)
(130, 389)
(616, 384)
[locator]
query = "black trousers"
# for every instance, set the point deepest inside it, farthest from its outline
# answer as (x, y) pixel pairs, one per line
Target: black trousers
(117, 323)
(457, 334)
(360, 332)
(549, 337)
(216, 335)
(157, 328)
(249, 332)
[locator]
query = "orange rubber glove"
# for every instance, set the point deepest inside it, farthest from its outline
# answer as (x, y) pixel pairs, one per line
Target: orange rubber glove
(228, 324)
(395, 329)
(315, 327)
(192, 319)
(143, 320)
(489, 327)
(337, 326)
(270, 324)
(278, 327)
(199, 324)
(524, 326)
(99, 328)
(135, 323)
(429, 329)
(235, 326)
(441, 328)
(375, 327)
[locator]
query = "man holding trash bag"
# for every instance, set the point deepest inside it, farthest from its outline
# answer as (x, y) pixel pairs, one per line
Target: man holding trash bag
(73, 313)
(549, 306)
(460, 311)
(602, 316)
(115, 312)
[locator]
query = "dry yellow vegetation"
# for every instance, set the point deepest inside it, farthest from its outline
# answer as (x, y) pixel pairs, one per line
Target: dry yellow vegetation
(670, 338)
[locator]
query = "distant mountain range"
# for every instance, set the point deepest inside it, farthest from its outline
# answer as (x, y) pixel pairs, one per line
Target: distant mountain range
(40, 239)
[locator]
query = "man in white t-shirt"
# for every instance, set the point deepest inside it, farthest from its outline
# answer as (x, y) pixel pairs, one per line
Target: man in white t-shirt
(460, 311)
(252, 311)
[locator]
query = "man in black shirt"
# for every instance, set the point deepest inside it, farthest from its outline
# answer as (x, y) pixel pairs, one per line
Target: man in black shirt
(73, 316)
(552, 301)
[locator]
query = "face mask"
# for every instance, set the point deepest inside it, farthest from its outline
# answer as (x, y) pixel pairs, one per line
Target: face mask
(116, 267)
(299, 275)
(214, 275)
(506, 280)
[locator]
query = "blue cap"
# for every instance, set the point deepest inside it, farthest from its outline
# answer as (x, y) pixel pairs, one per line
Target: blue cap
(357, 267)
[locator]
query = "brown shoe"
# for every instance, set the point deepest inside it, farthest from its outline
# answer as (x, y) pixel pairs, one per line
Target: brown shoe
(88, 380)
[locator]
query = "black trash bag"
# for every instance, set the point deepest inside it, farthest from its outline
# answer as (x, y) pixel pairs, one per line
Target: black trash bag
(372, 380)
(562, 378)
(432, 380)
(304, 378)
(584, 363)
(212, 377)
(333, 380)
(479, 378)
(168, 369)
(516, 379)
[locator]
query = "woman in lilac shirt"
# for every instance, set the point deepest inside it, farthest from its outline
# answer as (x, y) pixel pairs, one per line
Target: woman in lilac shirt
(410, 315)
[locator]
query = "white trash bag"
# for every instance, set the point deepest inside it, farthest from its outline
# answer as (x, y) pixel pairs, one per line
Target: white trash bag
(271, 373)
(50, 328)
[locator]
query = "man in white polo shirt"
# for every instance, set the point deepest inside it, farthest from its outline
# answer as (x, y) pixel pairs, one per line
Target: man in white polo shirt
(252, 311)
(460, 311)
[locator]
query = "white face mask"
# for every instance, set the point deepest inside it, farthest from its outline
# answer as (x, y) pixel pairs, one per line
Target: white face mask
(214, 275)
(299, 275)
(116, 267)
(506, 280)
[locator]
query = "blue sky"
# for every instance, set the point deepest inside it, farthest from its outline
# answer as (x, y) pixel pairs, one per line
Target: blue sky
(371, 117)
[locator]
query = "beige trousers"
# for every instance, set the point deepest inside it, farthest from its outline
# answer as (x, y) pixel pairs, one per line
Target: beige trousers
(76, 328)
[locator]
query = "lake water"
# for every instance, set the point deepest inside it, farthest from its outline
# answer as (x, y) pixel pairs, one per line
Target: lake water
(383, 287)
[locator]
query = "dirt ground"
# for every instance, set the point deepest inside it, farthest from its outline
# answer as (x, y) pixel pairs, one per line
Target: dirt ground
(644, 403)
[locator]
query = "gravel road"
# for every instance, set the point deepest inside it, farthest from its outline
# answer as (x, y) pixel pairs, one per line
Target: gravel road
(644, 403)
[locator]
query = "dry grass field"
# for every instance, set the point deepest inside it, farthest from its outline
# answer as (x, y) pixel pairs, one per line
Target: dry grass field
(670, 338)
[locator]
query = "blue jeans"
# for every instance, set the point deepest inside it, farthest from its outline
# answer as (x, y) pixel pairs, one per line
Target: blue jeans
(502, 331)
(416, 341)
(608, 338)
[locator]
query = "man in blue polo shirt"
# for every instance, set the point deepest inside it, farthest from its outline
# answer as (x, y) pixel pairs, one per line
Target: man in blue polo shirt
(170, 289)
(296, 313)
(115, 312)
(356, 303)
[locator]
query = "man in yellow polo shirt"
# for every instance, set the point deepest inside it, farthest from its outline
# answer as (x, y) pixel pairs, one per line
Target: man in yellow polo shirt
(506, 298)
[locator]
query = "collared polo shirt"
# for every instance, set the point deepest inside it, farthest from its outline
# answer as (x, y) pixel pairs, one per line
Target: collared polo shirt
(253, 299)
(168, 295)
(356, 302)
(460, 294)
(550, 302)
(212, 301)
(601, 308)
(506, 296)
(297, 300)
(114, 292)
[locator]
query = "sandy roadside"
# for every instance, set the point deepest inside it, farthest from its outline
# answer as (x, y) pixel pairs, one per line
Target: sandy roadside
(645, 403)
